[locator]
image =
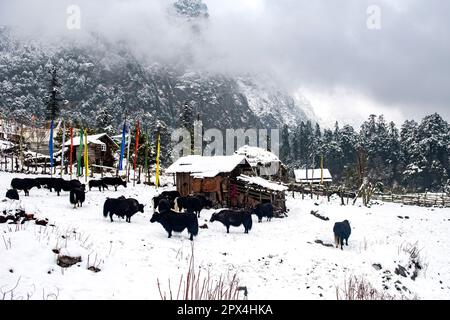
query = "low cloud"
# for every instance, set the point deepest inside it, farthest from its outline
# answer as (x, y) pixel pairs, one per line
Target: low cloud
(321, 47)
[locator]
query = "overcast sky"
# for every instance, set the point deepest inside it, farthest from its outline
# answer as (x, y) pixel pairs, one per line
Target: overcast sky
(320, 49)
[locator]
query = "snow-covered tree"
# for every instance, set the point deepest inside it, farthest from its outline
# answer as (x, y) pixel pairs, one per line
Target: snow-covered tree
(53, 95)
(191, 8)
(104, 121)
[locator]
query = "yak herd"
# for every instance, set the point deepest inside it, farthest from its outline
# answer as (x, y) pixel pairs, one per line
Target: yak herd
(174, 212)
(171, 203)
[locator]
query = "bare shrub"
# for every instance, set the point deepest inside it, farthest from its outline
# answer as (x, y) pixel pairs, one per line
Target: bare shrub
(95, 266)
(13, 294)
(10, 292)
(360, 289)
(201, 286)
(415, 259)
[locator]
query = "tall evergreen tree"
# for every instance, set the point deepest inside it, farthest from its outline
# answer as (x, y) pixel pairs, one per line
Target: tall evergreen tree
(394, 155)
(104, 121)
(434, 136)
(410, 154)
(285, 148)
(53, 95)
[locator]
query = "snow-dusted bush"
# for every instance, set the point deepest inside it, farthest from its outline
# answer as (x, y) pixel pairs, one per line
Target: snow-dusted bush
(360, 289)
(197, 286)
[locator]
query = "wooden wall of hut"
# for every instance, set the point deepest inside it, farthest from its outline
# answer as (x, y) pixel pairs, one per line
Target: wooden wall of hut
(95, 155)
(184, 183)
(210, 186)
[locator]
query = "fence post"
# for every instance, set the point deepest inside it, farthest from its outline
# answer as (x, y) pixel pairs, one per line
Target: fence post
(139, 176)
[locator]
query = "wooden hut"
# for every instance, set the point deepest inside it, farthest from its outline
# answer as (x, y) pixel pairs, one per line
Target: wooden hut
(211, 176)
(227, 180)
(101, 149)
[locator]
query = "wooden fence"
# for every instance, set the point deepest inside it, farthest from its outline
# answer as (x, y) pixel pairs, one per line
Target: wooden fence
(420, 199)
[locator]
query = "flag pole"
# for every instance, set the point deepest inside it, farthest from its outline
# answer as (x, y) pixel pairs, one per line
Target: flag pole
(63, 146)
(71, 152)
(157, 161)
(136, 149)
(50, 148)
(128, 154)
(321, 169)
(80, 152)
(122, 146)
(86, 154)
(147, 176)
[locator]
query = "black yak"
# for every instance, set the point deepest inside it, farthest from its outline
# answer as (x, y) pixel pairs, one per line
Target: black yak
(12, 194)
(233, 218)
(206, 202)
(164, 206)
(122, 207)
(77, 197)
(341, 232)
(263, 210)
(45, 182)
(114, 181)
(97, 184)
(25, 184)
(177, 222)
(169, 195)
(76, 184)
(191, 204)
(59, 184)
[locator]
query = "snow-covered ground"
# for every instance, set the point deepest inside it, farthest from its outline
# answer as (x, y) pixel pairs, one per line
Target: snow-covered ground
(276, 260)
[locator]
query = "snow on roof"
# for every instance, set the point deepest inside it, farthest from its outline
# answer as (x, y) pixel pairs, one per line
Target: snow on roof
(30, 155)
(263, 183)
(92, 139)
(206, 167)
(257, 155)
(119, 136)
(313, 175)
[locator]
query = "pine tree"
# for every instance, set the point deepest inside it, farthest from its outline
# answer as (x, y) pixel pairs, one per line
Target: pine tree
(394, 155)
(310, 143)
(104, 121)
(434, 136)
(410, 154)
(53, 95)
(297, 150)
(285, 148)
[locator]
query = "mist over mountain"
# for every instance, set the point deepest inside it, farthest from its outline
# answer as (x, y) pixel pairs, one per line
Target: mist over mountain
(102, 74)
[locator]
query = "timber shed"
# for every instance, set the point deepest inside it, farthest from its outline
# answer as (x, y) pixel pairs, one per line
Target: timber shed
(226, 180)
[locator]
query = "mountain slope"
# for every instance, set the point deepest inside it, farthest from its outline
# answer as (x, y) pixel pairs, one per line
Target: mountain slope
(98, 75)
